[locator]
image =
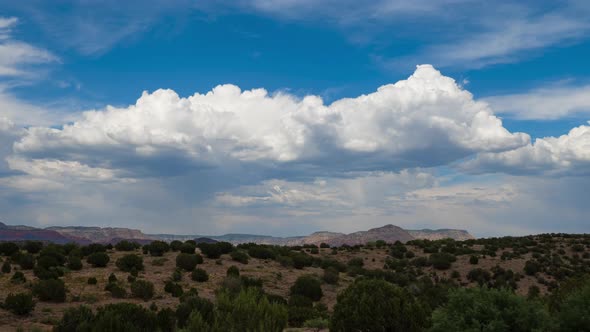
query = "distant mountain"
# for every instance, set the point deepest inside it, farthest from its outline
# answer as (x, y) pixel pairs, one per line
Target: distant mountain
(26, 233)
(84, 235)
(439, 234)
(387, 233)
(102, 234)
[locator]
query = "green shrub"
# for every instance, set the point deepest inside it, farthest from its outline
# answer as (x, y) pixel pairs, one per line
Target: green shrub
(176, 275)
(75, 319)
(47, 262)
(112, 278)
(441, 261)
(193, 303)
(26, 261)
(233, 271)
(531, 267)
(188, 248)
(98, 259)
(482, 309)
(175, 245)
(167, 320)
(574, 314)
(130, 262)
(249, 311)
(211, 250)
(45, 274)
(158, 248)
(376, 305)
(331, 276)
(51, 290)
(142, 289)
(188, 262)
(199, 275)
(173, 288)
(117, 291)
(239, 256)
(18, 278)
(473, 260)
(6, 268)
(19, 304)
(124, 317)
(74, 263)
(127, 246)
(33, 247)
(308, 286)
(317, 324)
(92, 281)
(8, 248)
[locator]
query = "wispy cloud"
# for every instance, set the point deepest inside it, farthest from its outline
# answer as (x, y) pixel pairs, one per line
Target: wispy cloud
(545, 103)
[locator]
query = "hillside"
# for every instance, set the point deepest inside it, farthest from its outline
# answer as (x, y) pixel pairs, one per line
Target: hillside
(533, 266)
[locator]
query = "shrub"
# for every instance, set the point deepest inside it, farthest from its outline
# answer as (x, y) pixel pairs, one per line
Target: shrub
(92, 281)
(485, 309)
(74, 263)
(8, 248)
(130, 262)
(124, 317)
(574, 314)
(92, 248)
(75, 319)
(175, 245)
(188, 262)
(47, 262)
(473, 260)
(331, 276)
(308, 286)
(200, 275)
(193, 303)
(18, 278)
(441, 261)
(142, 289)
(188, 248)
(261, 252)
(33, 247)
(98, 259)
(249, 311)
(317, 324)
(173, 288)
(176, 275)
(27, 261)
(531, 267)
(166, 320)
(301, 260)
(6, 268)
(126, 246)
(19, 304)
(158, 248)
(45, 274)
(239, 256)
(51, 290)
(376, 305)
(233, 271)
(116, 290)
(211, 250)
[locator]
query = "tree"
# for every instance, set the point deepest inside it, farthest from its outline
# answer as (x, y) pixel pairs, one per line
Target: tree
(8, 248)
(130, 262)
(74, 263)
(239, 256)
(441, 261)
(75, 319)
(376, 305)
(308, 286)
(331, 276)
(473, 260)
(483, 309)
(19, 304)
(98, 259)
(188, 262)
(211, 250)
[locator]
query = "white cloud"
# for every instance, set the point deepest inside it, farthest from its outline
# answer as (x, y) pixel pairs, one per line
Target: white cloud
(15, 55)
(546, 103)
(426, 120)
(565, 155)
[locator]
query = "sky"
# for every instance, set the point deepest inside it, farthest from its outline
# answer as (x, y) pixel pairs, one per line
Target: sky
(285, 117)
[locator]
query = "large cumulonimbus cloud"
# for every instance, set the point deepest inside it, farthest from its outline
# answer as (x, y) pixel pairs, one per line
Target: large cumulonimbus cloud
(426, 120)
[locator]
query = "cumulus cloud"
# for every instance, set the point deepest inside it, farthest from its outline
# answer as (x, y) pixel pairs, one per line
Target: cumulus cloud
(564, 155)
(426, 120)
(547, 103)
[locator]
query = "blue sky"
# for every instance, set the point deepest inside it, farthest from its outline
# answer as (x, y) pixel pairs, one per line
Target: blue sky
(418, 154)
